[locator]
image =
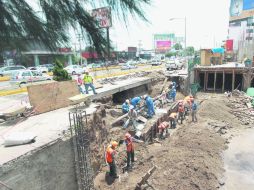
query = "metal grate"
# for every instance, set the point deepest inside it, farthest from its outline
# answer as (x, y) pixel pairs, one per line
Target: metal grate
(81, 145)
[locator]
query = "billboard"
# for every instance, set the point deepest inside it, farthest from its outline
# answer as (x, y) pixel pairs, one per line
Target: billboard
(162, 42)
(248, 4)
(241, 9)
(102, 17)
(229, 45)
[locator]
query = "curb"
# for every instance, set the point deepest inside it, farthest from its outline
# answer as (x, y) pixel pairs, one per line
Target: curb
(2, 79)
(21, 90)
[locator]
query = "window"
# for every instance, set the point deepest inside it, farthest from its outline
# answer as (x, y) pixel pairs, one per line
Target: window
(26, 74)
(36, 73)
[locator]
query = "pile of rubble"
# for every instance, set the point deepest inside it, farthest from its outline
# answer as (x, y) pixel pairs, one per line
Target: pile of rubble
(241, 107)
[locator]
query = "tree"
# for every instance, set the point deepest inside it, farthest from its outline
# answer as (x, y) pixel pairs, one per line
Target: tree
(190, 51)
(59, 73)
(20, 23)
(170, 54)
(177, 46)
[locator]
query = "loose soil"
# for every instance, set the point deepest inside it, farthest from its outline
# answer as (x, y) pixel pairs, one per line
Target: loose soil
(190, 159)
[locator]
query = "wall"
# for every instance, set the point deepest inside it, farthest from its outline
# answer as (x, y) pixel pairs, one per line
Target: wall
(50, 168)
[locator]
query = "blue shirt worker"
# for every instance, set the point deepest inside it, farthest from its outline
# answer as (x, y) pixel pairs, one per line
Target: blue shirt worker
(135, 101)
(150, 106)
(126, 106)
(194, 108)
(88, 81)
(173, 94)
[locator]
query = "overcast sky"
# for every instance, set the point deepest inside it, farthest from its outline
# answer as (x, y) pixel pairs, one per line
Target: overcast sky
(207, 23)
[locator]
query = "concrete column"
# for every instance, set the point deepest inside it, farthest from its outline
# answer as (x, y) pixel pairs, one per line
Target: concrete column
(215, 78)
(69, 60)
(223, 82)
(233, 80)
(36, 60)
(205, 81)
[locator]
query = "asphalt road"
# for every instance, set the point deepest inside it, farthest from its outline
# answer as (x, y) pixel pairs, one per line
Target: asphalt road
(5, 85)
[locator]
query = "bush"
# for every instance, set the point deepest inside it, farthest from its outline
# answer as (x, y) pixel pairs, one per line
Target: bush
(59, 73)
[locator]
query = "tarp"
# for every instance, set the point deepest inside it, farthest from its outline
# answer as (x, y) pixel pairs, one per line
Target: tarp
(250, 92)
(218, 50)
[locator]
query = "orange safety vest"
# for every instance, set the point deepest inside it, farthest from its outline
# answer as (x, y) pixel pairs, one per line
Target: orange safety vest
(129, 145)
(109, 154)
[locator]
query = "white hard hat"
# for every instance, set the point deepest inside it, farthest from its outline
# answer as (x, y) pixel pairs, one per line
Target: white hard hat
(127, 101)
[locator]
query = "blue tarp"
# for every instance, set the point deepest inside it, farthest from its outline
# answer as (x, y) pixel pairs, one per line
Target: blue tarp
(218, 50)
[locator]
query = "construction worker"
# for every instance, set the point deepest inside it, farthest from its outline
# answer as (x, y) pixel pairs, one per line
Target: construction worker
(80, 84)
(136, 101)
(173, 118)
(110, 157)
(173, 93)
(88, 81)
(126, 106)
(150, 106)
(130, 149)
(194, 108)
(180, 111)
(132, 117)
(162, 127)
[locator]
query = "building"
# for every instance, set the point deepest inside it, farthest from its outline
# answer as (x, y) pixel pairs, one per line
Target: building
(241, 26)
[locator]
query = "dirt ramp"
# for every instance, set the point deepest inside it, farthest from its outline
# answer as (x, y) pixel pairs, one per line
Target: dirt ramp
(51, 96)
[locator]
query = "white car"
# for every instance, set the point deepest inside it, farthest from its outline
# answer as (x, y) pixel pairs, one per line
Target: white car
(156, 62)
(41, 69)
(128, 65)
(9, 70)
(27, 76)
(75, 69)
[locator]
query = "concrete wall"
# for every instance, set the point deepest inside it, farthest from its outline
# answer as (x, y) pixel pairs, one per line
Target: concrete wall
(50, 168)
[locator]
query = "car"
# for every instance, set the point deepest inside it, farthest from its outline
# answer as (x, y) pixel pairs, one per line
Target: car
(41, 69)
(49, 66)
(171, 65)
(75, 69)
(128, 65)
(156, 62)
(22, 77)
(9, 70)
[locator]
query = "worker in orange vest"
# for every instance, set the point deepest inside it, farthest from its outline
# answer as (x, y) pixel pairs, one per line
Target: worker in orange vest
(110, 158)
(162, 127)
(130, 148)
(173, 118)
(180, 112)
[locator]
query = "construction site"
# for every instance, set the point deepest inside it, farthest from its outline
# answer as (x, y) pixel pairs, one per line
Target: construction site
(71, 133)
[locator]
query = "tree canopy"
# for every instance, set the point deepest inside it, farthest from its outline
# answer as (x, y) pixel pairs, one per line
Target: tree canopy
(177, 46)
(20, 23)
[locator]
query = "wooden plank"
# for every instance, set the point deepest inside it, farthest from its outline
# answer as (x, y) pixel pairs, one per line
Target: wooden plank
(164, 83)
(145, 178)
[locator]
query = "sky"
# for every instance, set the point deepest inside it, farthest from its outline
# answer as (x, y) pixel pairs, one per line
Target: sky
(207, 23)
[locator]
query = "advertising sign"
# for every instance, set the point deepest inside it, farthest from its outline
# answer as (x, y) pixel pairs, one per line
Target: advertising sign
(248, 4)
(102, 17)
(165, 45)
(236, 7)
(229, 45)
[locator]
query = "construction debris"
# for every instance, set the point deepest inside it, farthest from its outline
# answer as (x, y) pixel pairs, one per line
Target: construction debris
(241, 107)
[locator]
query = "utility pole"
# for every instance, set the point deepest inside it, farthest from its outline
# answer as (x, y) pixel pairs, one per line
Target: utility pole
(108, 44)
(79, 36)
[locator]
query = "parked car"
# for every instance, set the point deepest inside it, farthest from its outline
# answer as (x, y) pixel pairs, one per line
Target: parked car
(156, 62)
(41, 69)
(27, 76)
(75, 69)
(9, 70)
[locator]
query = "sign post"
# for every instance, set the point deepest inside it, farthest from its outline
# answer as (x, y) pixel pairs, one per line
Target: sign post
(103, 18)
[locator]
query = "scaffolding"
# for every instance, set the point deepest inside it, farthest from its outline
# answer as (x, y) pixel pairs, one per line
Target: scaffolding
(81, 146)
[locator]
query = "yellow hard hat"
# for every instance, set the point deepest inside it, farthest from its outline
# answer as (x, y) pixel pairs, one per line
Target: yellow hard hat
(114, 144)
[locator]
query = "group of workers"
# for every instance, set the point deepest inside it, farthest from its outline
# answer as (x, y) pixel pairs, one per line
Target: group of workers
(87, 81)
(111, 154)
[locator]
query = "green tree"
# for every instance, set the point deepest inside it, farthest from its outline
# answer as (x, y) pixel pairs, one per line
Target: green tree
(177, 46)
(190, 51)
(170, 54)
(20, 23)
(59, 73)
